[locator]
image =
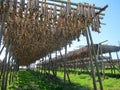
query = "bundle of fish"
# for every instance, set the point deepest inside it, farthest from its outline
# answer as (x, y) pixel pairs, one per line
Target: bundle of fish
(35, 28)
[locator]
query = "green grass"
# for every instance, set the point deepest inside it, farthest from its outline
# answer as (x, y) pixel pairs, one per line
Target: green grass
(85, 80)
(33, 80)
(111, 84)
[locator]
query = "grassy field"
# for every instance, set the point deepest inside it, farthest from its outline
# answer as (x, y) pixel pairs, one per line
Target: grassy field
(32, 80)
(84, 80)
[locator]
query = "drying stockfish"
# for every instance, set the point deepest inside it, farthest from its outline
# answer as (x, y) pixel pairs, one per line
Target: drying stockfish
(36, 28)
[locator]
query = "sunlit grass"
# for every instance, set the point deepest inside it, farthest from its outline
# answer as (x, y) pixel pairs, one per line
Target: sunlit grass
(82, 80)
(32, 80)
(111, 82)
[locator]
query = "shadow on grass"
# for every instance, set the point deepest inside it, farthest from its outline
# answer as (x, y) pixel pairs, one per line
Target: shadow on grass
(34, 80)
(106, 74)
(113, 75)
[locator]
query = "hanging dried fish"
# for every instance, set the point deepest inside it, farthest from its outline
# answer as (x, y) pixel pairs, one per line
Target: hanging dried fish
(33, 29)
(63, 11)
(92, 11)
(78, 9)
(15, 4)
(35, 4)
(29, 4)
(22, 4)
(50, 13)
(88, 11)
(82, 9)
(7, 1)
(1, 1)
(97, 21)
(85, 10)
(68, 8)
(54, 12)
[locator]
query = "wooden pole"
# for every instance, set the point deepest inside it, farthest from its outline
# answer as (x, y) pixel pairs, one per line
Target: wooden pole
(52, 65)
(5, 12)
(65, 65)
(72, 3)
(4, 68)
(103, 64)
(7, 70)
(0, 68)
(45, 65)
(49, 63)
(2, 64)
(85, 65)
(111, 62)
(118, 60)
(96, 63)
(97, 55)
(91, 61)
(11, 72)
(2, 49)
(42, 65)
(56, 65)
(114, 68)
(65, 58)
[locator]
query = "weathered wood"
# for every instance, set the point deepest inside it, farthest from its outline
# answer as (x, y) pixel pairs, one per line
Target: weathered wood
(2, 49)
(1, 69)
(7, 70)
(75, 4)
(95, 59)
(3, 87)
(42, 31)
(11, 71)
(91, 61)
(35, 30)
(118, 60)
(5, 13)
(65, 65)
(103, 64)
(65, 69)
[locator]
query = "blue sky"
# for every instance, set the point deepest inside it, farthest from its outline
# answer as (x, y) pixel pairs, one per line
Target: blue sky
(110, 31)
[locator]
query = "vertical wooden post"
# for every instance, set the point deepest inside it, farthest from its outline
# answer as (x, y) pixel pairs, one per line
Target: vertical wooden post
(42, 65)
(7, 70)
(97, 55)
(96, 63)
(52, 65)
(49, 64)
(2, 49)
(103, 64)
(118, 60)
(91, 61)
(11, 72)
(17, 65)
(56, 65)
(74, 67)
(112, 65)
(0, 68)
(45, 65)
(64, 63)
(5, 12)
(83, 63)
(4, 69)
(1, 72)
(65, 58)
